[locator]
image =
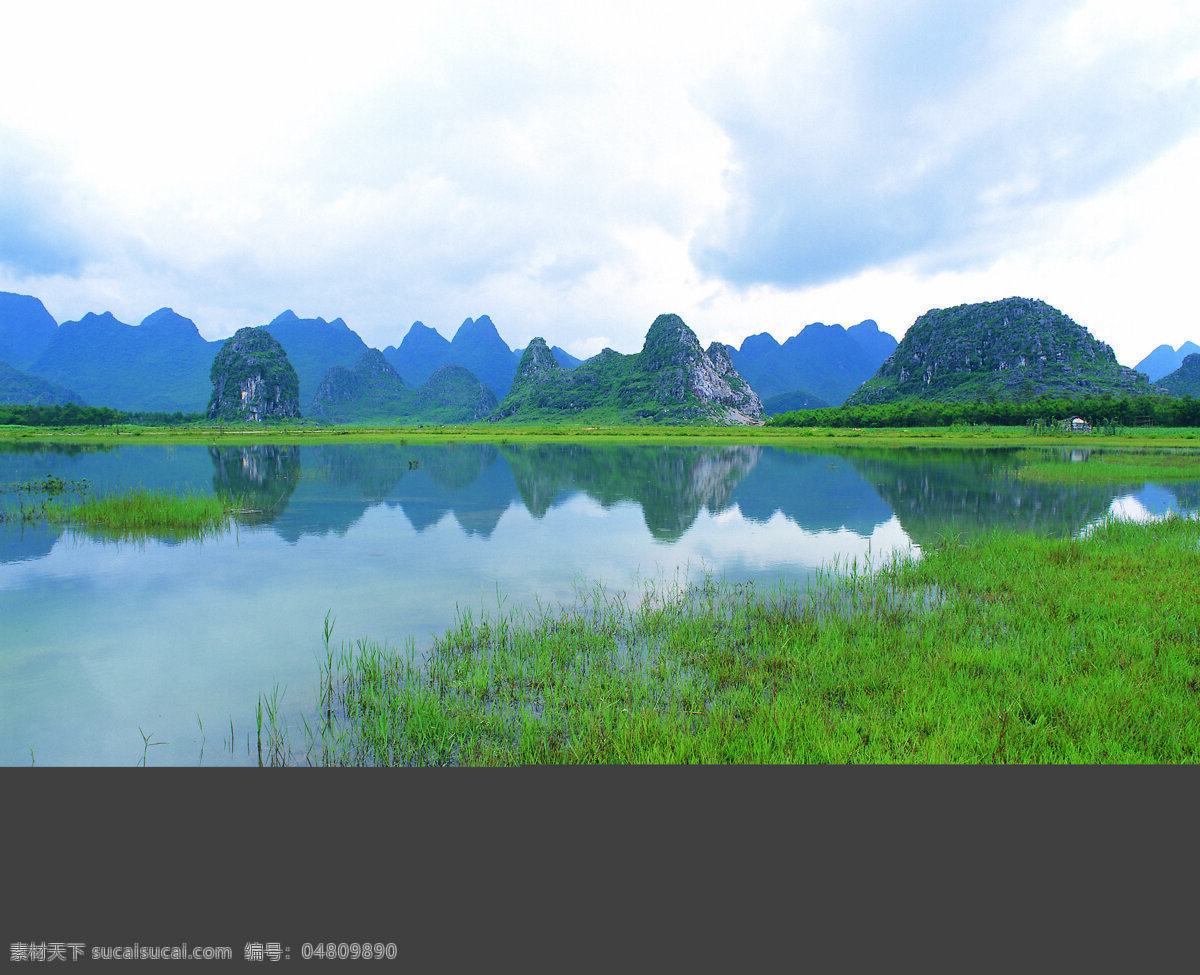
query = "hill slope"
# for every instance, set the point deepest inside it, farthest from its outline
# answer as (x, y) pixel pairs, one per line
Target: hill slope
(1015, 349)
(1184, 381)
(19, 389)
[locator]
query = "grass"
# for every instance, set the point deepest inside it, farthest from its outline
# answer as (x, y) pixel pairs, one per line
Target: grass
(959, 435)
(1011, 648)
(1109, 467)
(138, 514)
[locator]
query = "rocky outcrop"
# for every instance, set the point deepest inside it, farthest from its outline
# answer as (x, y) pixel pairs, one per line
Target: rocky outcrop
(1011, 350)
(253, 380)
(672, 380)
(741, 398)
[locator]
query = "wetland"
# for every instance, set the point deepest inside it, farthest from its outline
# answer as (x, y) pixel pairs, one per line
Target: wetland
(341, 563)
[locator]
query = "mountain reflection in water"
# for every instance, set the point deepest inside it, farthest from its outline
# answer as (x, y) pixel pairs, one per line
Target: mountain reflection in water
(325, 489)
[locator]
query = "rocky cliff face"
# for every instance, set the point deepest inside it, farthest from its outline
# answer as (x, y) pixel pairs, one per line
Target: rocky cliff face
(1015, 349)
(253, 380)
(672, 380)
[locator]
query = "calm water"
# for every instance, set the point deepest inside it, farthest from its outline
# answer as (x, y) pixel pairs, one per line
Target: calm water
(107, 645)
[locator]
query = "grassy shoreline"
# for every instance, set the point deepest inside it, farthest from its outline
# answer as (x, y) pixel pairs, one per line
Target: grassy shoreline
(1011, 648)
(300, 434)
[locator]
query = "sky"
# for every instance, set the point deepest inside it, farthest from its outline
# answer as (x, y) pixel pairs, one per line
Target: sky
(573, 171)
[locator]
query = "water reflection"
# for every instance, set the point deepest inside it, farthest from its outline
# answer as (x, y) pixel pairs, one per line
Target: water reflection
(325, 490)
(952, 493)
(262, 478)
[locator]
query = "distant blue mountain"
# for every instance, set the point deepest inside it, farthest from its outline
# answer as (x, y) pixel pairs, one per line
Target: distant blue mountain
(825, 362)
(421, 353)
(26, 328)
(476, 346)
(160, 365)
(1164, 360)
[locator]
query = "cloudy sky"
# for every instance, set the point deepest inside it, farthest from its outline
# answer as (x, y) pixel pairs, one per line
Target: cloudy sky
(575, 170)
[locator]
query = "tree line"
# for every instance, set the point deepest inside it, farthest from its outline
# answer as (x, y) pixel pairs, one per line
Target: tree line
(75, 415)
(1127, 411)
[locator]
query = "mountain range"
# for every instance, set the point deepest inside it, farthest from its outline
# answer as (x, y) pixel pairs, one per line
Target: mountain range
(373, 391)
(1016, 348)
(163, 363)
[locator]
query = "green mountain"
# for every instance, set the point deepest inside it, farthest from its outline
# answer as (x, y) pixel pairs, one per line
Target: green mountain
(454, 395)
(1184, 381)
(26, 328)
(313, 345)
(1011, 350)
(373, 391)
(561, 355)
(672, 380)
(19, 389)
(253, 380)
(786, 402)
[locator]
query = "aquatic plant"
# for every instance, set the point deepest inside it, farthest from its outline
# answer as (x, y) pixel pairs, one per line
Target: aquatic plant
(143, 514)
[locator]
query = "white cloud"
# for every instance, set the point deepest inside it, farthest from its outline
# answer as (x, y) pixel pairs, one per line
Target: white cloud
(573, 173)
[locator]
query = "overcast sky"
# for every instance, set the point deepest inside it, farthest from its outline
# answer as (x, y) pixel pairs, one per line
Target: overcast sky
(575, 170)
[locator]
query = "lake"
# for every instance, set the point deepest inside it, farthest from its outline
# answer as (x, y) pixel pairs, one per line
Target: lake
(118, 652)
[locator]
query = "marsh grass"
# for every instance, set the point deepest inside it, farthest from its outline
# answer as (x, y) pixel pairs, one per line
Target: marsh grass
(207, 434)
(142, 514)
(1009, 648)
(1108, 467)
